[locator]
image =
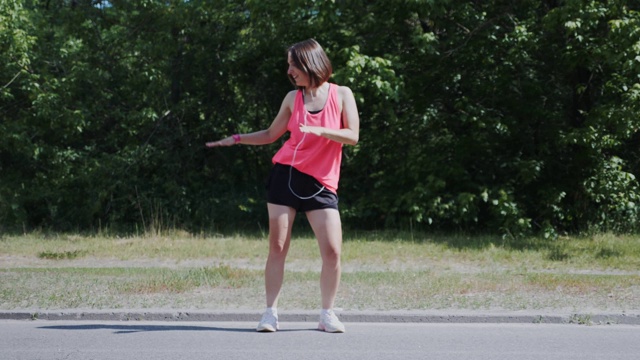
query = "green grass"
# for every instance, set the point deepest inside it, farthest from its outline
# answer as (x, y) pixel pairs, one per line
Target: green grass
(595, 252)
(60, 255)
(381, 271)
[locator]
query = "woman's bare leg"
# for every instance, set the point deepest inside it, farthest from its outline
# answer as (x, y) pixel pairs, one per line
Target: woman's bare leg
(327, 227)
(280, 223)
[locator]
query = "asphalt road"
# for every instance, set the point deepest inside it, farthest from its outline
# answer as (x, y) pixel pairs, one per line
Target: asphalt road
(110, 340)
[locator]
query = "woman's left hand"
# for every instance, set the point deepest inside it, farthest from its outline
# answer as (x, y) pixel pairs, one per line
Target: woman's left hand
(315, 130)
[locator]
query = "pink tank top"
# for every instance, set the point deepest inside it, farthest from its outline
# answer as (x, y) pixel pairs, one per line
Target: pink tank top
(314, 155)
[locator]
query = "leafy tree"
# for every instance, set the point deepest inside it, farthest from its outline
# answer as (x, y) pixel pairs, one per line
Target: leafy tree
(499, 116)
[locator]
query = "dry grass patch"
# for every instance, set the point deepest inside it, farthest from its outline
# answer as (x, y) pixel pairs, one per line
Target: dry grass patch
(382, 271)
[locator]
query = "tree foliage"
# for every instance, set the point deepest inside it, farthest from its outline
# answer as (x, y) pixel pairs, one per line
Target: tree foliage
(502, 116)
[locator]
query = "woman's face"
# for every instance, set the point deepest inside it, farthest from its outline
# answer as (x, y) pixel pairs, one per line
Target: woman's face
(298, 76)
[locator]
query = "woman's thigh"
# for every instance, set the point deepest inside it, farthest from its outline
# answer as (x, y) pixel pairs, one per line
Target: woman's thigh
(280, 223)
(327, 227)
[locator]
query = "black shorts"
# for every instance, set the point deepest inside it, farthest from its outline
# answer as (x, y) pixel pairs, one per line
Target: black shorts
(290, 187)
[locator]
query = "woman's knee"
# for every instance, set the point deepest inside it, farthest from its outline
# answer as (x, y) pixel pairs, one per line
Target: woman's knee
(331, 255)
(278, 251)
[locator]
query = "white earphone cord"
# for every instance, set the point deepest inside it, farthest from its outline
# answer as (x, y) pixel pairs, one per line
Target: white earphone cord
(293, 161)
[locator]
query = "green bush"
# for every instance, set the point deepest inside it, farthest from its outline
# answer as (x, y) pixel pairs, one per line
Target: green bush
(496, 116)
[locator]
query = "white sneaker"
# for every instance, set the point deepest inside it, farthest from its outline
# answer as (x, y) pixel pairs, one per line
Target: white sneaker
(329, 322)
(269, 322)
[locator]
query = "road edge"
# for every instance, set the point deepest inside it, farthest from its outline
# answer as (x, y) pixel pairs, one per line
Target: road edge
(586, 318)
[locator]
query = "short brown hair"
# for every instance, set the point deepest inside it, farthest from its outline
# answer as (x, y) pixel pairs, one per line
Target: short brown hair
(309, 57)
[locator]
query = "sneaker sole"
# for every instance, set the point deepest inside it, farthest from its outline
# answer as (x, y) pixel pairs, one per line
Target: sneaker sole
(266, 329)
(334, 331)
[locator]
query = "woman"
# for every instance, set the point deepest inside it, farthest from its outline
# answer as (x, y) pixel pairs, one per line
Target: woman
(320, 118)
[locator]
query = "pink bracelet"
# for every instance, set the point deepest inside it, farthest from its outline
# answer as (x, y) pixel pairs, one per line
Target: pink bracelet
(236, 138)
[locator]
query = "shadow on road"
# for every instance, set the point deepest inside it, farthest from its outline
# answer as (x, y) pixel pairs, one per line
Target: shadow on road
(129, 329)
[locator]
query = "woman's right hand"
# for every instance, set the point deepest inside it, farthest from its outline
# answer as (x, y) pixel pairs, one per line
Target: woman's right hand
(228, 141)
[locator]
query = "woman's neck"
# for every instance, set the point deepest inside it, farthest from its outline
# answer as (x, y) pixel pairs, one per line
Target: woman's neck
(315, 91)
